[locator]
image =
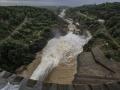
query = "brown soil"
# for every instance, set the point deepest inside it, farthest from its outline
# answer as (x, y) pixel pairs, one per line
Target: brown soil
(28, 70)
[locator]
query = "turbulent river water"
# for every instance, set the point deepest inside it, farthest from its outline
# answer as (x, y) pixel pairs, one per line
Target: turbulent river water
(58, 50)
(10, 87)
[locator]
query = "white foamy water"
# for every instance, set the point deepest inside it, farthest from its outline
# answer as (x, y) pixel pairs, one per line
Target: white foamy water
(10, 87)
(62, 14)
(59, 50)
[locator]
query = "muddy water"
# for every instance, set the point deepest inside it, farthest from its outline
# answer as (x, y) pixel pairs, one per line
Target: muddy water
(62, 74)
(62, 68)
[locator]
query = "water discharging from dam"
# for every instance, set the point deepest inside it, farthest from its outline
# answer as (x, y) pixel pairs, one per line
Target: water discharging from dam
(10, 87)
(60, 50)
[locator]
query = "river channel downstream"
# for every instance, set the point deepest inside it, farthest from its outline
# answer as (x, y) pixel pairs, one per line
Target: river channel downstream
(57, 62)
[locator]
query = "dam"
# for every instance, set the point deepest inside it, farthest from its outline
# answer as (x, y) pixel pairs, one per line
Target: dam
(92, 70)
(100, 75)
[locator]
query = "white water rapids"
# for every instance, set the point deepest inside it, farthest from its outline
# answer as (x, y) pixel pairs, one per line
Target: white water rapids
(10, 87)
(59, 50)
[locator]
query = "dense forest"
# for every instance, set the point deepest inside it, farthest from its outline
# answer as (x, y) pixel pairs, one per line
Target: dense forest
(26, 30)
(105, 35)
(23, 32)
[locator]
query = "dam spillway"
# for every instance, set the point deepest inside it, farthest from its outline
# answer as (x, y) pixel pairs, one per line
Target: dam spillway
(60, 50)
(92, 73)
(83, 80)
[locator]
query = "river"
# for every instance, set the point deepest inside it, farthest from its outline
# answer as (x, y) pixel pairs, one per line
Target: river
(62, 50)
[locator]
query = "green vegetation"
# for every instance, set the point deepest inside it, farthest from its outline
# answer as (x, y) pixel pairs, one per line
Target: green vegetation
(105, 35)
(23, 32)
(26, 30)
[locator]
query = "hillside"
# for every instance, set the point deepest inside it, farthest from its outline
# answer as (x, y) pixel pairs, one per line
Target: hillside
(26, 30)
(106, 35)
(23, 32)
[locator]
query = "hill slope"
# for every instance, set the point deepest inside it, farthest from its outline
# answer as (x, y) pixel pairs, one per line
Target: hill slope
(105, 35)
(23, 31)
